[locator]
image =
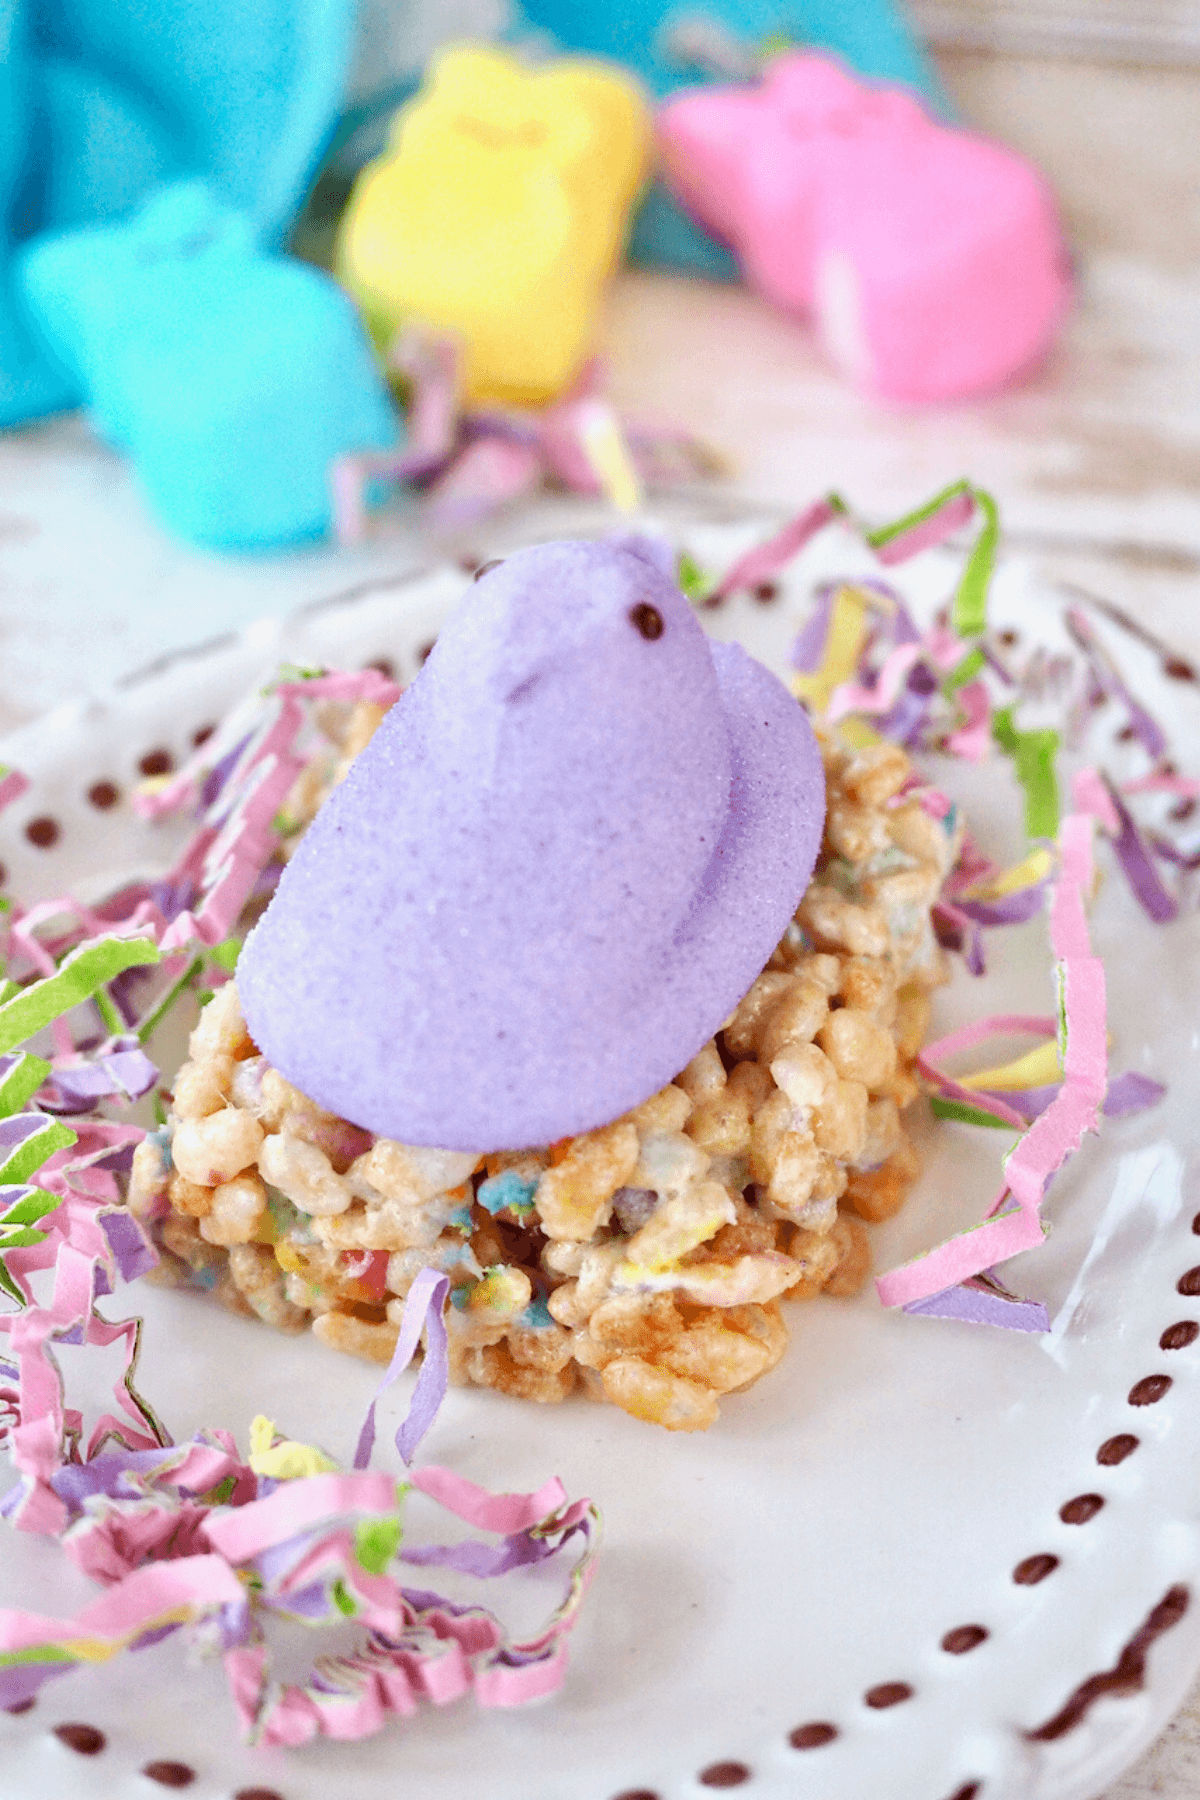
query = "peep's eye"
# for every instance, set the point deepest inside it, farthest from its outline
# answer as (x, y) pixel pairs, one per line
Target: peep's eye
(483, 568)
(647, 619)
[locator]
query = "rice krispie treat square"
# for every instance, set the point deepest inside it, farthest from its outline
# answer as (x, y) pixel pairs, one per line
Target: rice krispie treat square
(643, 1262)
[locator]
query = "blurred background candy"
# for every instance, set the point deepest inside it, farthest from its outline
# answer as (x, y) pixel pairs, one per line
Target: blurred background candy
(931, 258)
(151, 161)
(498, 212)
(153, 170)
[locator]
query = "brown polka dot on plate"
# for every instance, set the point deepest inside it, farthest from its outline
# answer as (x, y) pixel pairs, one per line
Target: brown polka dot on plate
(813, 1736)
(85, 1739)
(1115, 1449)
(636, 1794)
(1178, 668)
(201, 735)
(888, 1693)
(169, 1774)
(1082, 1508)
(384, 665)
(258, 1794)
(1149, 1390)
(156, 762)
(1189, 1281)
(3, 874)
(963, 1638)
(765, 591)
(724, 1775)
(426, 650)
(22, 1706)
(104, 794)
(970, 1790)
(43, 832)
(1035, 1569)
(1179, 1336)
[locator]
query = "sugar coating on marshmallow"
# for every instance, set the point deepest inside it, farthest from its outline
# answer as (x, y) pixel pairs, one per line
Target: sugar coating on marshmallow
(561, 861)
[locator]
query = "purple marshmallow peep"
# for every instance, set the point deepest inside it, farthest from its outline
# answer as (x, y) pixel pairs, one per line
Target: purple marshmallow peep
(552, 874)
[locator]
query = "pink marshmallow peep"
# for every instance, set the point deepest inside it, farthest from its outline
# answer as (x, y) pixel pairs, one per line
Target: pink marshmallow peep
(562, 860)
(931, 258)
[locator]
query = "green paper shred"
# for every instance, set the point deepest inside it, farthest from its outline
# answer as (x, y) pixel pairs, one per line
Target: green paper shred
(883, 534)
(26, 1158)
(154, 1019)
(26, 1211)
(1035, 756)
(343, 1599)
(376, 1542)
(35, 1653)
(226, 953)
(693, 582)
(967, 1115)
(82, 973)
(968, 614)
(963, 672)
(110, 1017)
(22, 1082)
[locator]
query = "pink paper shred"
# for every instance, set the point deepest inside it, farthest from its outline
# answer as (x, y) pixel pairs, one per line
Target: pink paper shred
(1013, 1223)
(172, 1531)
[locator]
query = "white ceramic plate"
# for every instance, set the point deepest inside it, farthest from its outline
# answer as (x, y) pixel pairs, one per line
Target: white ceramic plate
(852, 1547)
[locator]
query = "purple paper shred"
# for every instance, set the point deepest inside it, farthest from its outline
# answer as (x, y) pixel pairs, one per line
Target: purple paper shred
(906, 721)
(422, 1309)
(173, 898)
(517, 1551)
(1010, 909)
(1108, 678)
(954, 931)
(1138, 863)
(1182, 859)
(922, 681)
(154, 1635)
(307, 1603)
(983, 1301)
(1132, 1093)
(219, 774)
(132, 1253)
(808, 651)
(1031, 1103)
(233, 1624)
(18, 1129)
(124, 986)
(21, 1681)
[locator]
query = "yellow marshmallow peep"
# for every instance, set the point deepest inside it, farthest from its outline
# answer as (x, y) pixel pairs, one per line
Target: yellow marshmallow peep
(497, 212)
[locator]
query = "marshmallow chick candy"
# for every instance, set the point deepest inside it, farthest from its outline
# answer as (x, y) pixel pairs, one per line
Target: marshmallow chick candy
(560, 863)
(931, 258)
(497, 213)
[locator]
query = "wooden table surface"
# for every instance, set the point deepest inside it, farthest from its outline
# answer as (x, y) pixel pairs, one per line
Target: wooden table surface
(1095, 461)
